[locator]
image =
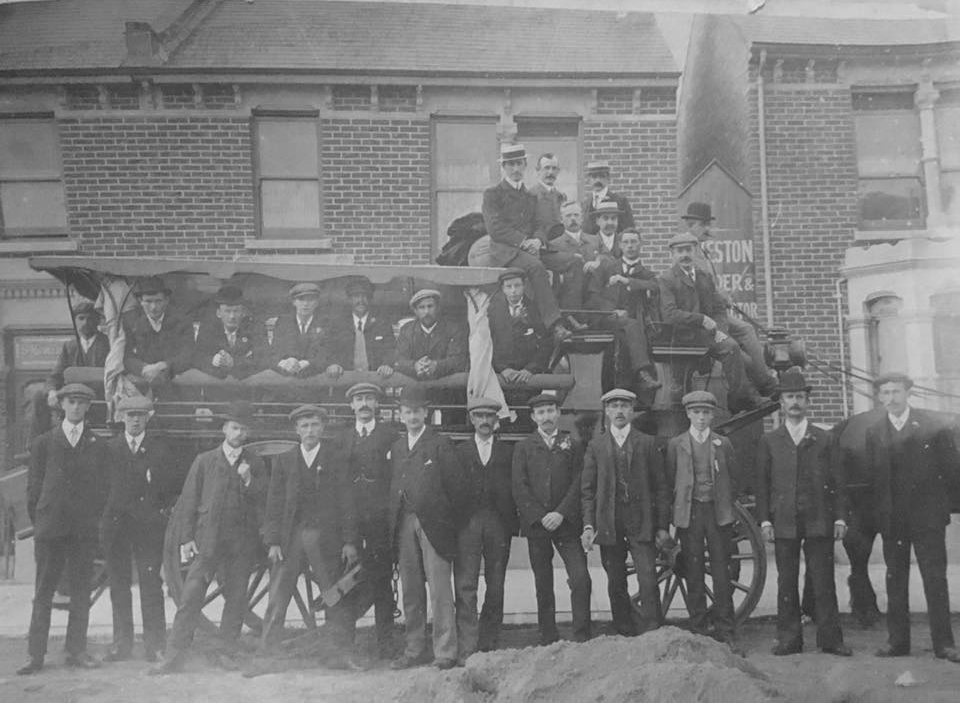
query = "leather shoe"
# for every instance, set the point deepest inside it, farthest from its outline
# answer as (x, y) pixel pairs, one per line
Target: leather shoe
(784, 650)
(406, 662)
(346, 662)
(445, 664)
(31, 667)
(82, 661)
(951, 654)
(646, 382)
(840, 650)
(117, 655)
(892, 652)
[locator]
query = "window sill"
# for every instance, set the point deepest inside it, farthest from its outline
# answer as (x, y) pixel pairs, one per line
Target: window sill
(905, 234)
(289, 245)
(36, 246)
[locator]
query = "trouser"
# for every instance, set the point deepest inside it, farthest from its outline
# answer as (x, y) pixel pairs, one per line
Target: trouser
(126, 541)
(818, 553)
(728, 353)
(756, 369)
(568, 278)
(377, 586)
(308, 543)
(703, 529)
(41, 416)
(930, 548)
(484, 537)
(233, 561)
(858, 544)
(421, 567)
(539, 281)
(52, 556)
(578, 577)
(632, 333)
(614, 558)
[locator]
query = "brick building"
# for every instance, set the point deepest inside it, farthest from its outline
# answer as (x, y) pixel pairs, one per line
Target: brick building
(317, 130)
(845, 134)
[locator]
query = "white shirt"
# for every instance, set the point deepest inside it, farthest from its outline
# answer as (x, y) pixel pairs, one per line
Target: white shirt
(628, 264)
(73, 432)
(85, 343)
(157, 324)
(231, 337)
(134, 441)
(514, 184)
(360, 323)
(599, 196)
(309, 456)
(484, 448)
(428, 331)
(413, 439)
(550, 439)
(691, 273)
(609, 241)
(796, 431)
(898, 422)
(700, 436)
(369, 426)
(231, 453)
(574, 236)
(547, 187)
(304, 325)
(620, 435)
(515, 309)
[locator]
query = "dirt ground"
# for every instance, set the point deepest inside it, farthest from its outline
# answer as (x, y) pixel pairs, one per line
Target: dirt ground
(666, 665)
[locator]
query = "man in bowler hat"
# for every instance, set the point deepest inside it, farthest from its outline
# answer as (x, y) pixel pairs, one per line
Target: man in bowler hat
(227, 347)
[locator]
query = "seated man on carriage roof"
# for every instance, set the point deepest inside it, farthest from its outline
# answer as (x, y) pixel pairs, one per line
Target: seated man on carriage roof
(521, 343)
(360, 340)
(228, 347)
(432, 346)
(159, 342)
(301, 346)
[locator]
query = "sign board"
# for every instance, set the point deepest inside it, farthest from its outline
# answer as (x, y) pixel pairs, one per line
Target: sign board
(732, 255)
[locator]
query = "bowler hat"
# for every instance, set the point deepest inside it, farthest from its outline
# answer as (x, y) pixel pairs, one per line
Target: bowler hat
(304, 289)
(699, 398)
(75, 389)
(229, 295)
(364, 388)
(307, 410)
(414, 396)
(893, 376)
(424, 294)
(698, 211)
(542, 399)
(791, 380)
(608, 208)
(511, 153)
(85, 307)
(478, 403)
(683, 239)
(618, 394)
(135, 403)
(359, 285)
(150, 285)
(511, 273)
(239, 411)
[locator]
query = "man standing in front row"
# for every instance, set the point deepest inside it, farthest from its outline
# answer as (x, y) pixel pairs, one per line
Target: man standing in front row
(626, 508)
(546, 487)
(218, 515)
(66, 489)
(491, 522)
(800, 498)
(915, 462)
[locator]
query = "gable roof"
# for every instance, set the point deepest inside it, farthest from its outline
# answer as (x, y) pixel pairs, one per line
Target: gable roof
(849, 32)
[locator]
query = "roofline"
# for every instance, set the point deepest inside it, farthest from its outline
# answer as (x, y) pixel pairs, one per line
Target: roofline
(812, 51)
(723, 169)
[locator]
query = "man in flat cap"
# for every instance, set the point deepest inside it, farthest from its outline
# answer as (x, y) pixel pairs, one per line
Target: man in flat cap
(88, 348)
(509, 213)
(218, 517)
(914, 461)
(227, 347)
(800, 499)
(700, 467)
(491, 522)
(364, 447)
(625, 288)
(311, 516)
(432, 346)
(361, 341)
(301, 344)
(66, 490)
(546, 488)
(426, 500)
(159, 341)
(626, 509)
(598, 178)
(144, 485)
(521, 344)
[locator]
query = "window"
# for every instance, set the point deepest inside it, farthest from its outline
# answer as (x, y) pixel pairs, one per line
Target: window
(288, 175)
(464, 164)
(558, 136)
(887, 337)
(888, 159)
(31, 181)
(948, 143)
(946, 332)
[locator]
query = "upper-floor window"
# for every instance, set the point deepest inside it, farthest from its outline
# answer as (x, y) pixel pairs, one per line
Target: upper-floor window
(948, 145)
(31, 178)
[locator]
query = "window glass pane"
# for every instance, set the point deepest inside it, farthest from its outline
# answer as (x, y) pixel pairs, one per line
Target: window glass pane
(290, 204)
(34, 206)
(287, 147)
(28, 148)
(950, 195)
(948, 136)
(891, 202)
(566, 150)
(466, 154)
(453, 204)
(888, 144)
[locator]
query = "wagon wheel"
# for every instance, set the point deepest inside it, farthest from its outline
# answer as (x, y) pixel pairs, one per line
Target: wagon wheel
(748, 570)
(99, 583)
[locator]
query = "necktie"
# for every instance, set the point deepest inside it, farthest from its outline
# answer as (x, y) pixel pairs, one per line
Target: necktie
(232, 339)
(360, 361)
(627, 269)
(133, 446)
(363, 432)
(74, 436)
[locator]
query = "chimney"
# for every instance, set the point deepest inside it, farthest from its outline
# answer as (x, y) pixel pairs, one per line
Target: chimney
(143, 44)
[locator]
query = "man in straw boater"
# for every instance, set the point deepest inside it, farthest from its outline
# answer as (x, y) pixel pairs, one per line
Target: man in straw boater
(144, 485)
(800, 500)
(598, 178)
(360, 340)
(218, 532)
(426, 499)
(159, 342)
(546, 488)
(490, 523)
(626, 510)
(66, 490)
(301, 344)
(521, 344)
(227, 347)
(914, 461)
(700, 466)
(365, 457)
(311, 516)
(607, 215)
(433, 345)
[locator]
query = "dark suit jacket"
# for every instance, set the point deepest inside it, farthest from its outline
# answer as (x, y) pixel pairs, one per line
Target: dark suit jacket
(933, 471)
(807, 476)
(587, 247)
(247, 351)
(144, 485)
(547, 480)
(647, 490)
(680, 473)
(547, 212)
(447, 345)
(199, 510)
(522, 343)
(510, 218)
(372, 484)
(632, 297)
(173, 344)
(428, 481)
(288, 342)
(683, 304)
(284, 511)
(378, 334)
(66, 486)
(589, 221)
(72, 355)
(494, 479)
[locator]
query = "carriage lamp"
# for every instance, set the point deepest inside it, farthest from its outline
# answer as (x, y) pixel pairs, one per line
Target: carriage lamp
(783, 350)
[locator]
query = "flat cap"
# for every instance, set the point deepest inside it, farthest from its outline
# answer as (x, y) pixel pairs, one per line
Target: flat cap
(683, 239)
(699, 398)
(486, 403)
(75, 389)
(307, 410)
(304, 289)
(359, 285)
(510, 153)
(598, 165)
(239, 411)
(414, 396)
(608, 208)
(421, 294)
(542, 399)
(135, 403)
(618, 394)
(85, 307)
(364, 388)
(511, 273)
(150, 285)
(893, 376)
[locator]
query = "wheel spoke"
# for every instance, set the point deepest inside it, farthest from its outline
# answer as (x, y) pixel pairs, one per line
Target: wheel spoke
(740, 586)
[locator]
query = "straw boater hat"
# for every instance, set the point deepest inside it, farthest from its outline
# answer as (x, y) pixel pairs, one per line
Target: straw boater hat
(608, 208)
(598, 165)
(902, 378)
(424, 294)
(511, 153)
(683, 239)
